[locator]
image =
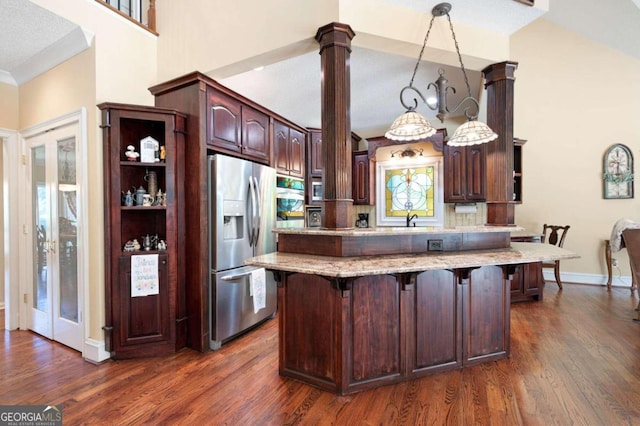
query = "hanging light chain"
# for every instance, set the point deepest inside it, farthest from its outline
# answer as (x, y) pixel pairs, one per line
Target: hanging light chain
(424, 44)
(455, 40)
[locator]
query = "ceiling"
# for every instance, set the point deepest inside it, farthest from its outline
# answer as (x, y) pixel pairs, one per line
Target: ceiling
(34, 40)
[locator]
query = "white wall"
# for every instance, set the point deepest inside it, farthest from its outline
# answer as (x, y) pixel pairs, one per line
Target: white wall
(222, 38)
(573, 99)
(119, 67)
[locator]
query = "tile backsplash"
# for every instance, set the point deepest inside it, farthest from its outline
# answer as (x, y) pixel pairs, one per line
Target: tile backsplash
(451, 218)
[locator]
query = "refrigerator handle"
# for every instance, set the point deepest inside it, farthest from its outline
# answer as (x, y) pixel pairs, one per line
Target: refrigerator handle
(252, 233)
(235, 277)
(257, 211)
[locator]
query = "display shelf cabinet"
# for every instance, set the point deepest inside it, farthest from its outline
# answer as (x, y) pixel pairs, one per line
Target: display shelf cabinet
(143, 320)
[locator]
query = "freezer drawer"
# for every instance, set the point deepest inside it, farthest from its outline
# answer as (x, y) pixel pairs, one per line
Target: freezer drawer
(232, 306)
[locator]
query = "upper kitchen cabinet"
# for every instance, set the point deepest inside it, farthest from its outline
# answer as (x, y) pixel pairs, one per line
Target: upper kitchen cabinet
(315, 163)
(465, 176)
(289, 149)
(363, 179)
(235, 127)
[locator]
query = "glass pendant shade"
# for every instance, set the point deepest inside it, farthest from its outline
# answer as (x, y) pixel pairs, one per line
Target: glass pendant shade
(410, 126)
(473, 132)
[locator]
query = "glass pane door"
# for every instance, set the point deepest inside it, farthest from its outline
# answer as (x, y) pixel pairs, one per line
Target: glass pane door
(67, 214)
(55, 199)
(41, 207)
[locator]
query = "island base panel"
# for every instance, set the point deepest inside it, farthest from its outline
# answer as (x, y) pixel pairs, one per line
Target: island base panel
(346, 335)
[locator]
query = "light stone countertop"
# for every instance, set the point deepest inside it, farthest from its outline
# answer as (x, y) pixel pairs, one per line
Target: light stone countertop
(343, 267)
(397, 230)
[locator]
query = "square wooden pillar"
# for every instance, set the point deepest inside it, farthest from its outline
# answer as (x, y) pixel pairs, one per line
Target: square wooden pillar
(499, 81)
(335, 49)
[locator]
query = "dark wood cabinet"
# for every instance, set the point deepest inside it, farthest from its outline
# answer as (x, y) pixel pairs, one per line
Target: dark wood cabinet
(143, 323)
(197, 95)
(349, 335)
(527, 282)
(451, 322)
(465, 177)
(289, 147)
(315, 164)
(236, 128)
(363, 179)
(255, 134)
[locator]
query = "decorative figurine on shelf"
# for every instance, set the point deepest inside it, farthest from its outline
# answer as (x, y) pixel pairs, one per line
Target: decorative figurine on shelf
(136, 245)
(140, 193)
(131, 153)
(159, 196)
(129, 246)
(148, 148)
(163, 154)
(156, 154)
(149, 242)
(152, 179)
(164, 200)
(127, 199)
(162, 245)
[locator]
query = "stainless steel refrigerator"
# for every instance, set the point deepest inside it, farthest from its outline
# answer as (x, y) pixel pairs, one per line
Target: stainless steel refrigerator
(241, 218)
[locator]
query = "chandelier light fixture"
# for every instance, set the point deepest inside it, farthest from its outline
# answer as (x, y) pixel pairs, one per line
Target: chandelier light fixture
(412, 126)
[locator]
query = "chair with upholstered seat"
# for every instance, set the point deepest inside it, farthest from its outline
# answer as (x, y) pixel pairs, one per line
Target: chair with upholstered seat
(555, 235)
(631, 239)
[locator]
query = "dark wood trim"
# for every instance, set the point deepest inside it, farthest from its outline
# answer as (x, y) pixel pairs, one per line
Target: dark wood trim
(437, 140)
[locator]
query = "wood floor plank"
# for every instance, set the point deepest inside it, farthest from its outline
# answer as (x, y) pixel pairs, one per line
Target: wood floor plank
(575, 359)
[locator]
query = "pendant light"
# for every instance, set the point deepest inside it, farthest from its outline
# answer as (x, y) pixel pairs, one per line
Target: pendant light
(412, 126)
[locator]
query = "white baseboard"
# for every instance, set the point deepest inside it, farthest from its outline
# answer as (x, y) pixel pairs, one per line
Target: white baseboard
(593, 279)
(94, 351)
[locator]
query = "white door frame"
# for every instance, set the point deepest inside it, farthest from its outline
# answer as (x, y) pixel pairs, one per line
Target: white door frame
(78, 118)
(12, 199)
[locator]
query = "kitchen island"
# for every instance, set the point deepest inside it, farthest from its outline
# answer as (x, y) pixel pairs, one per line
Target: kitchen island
(420, 301)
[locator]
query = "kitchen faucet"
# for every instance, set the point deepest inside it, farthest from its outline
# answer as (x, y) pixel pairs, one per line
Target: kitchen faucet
(410, 218)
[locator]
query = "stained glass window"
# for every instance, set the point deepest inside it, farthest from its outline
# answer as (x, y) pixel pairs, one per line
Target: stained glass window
(409, 189)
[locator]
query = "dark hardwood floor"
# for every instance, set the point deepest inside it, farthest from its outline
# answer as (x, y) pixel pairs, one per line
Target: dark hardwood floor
(575, 359)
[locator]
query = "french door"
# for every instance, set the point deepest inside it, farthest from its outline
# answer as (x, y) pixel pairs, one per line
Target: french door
(54, 296)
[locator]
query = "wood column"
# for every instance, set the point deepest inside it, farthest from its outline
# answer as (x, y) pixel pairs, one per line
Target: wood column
(499, 81)
(335, 49)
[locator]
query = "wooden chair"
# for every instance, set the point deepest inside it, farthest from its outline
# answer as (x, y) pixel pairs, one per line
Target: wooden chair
(554, 234)
(631, 238)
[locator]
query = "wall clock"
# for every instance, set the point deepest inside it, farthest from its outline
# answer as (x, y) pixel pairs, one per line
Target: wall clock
(618, 172)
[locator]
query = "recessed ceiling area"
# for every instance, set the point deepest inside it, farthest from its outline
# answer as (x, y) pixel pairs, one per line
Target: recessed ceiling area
(291, 88)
